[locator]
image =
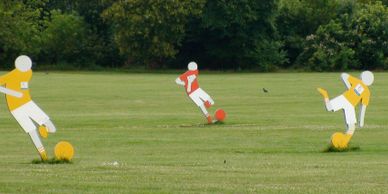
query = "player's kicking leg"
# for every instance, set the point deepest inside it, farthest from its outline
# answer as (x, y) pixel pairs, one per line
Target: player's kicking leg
(40, 117)
(47, 127)
(24, 116)
(200, 98)
(326, 99)
(207, 103)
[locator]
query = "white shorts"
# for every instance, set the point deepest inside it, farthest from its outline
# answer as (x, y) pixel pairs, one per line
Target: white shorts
(199, 97)
(28, 112)
(340, 102)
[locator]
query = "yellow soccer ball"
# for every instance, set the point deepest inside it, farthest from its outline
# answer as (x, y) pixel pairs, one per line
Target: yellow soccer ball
(339, 141)
(64, 151)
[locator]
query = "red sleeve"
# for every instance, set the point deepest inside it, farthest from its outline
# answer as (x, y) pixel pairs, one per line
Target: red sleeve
(196, 72)
(183, 77)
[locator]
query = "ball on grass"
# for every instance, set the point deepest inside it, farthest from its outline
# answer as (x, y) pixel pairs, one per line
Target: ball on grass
(64, 151)
(220, 115)
(338, 141)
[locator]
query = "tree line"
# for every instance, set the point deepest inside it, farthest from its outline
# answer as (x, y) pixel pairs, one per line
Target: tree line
(262, 35)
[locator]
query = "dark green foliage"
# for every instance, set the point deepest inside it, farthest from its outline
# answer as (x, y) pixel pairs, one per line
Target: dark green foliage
(237, 34)
(327, 50)
(298, 19)
(265, 35)
(356, 40)
(66, 39)
(19, 31)
(147, 32)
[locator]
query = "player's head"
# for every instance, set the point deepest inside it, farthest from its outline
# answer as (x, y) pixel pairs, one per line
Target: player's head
(192, 66)
(367, 77)
(23, 63)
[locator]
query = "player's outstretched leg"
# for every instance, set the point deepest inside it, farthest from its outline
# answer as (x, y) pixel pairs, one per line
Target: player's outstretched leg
(38, 144)
(325, 95)
(208, 104)
(50, 126)
(208, 101)
(207, 115)
(47, 127)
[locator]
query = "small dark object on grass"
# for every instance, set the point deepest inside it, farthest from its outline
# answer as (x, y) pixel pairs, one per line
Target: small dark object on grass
(348, 149)
(224, 161)
(51, 161)
(265, 90)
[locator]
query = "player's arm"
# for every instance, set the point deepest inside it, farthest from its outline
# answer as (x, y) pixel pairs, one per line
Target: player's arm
(345, 79)
(179, 81)
(11, 92)
(362, 115)
(190, 80)
(364, 103)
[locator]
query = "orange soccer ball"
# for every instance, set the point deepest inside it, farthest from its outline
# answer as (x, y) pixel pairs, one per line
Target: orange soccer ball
(220, 115)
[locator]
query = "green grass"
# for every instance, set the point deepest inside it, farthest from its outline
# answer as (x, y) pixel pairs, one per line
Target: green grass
(139, 133)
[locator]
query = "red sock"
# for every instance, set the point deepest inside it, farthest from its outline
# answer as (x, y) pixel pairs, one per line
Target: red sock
(209, 120)
(207, 104)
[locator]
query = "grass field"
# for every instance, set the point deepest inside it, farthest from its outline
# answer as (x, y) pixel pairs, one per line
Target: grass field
(139, 133)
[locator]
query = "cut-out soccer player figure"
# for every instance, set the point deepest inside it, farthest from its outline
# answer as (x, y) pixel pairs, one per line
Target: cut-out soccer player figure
(357, 91)
(23, 109)
(190, 81)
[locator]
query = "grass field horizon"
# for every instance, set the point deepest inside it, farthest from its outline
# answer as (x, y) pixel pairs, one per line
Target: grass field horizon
(140, 133)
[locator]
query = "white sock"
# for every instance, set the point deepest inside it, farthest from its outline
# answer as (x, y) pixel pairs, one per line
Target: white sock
(36, 140)
(351, 129)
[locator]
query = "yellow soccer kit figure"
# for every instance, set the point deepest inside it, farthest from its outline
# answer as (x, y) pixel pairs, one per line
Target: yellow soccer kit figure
(357, 92)
(23, 109)
(17, 81)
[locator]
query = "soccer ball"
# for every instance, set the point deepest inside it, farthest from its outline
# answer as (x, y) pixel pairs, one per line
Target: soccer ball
(64, 151)
(339, 141)
(220, 115)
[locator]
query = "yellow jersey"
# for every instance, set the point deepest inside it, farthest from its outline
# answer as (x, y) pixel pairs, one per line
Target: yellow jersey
(17, 81)
(358, 92)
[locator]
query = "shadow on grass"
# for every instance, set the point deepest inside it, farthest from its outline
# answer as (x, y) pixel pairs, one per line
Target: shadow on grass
(201, 125)
(348, 149)
(51, 161)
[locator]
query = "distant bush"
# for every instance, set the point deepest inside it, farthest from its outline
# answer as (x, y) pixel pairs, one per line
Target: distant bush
(66, 40)
(19, 32)
(352, 41)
